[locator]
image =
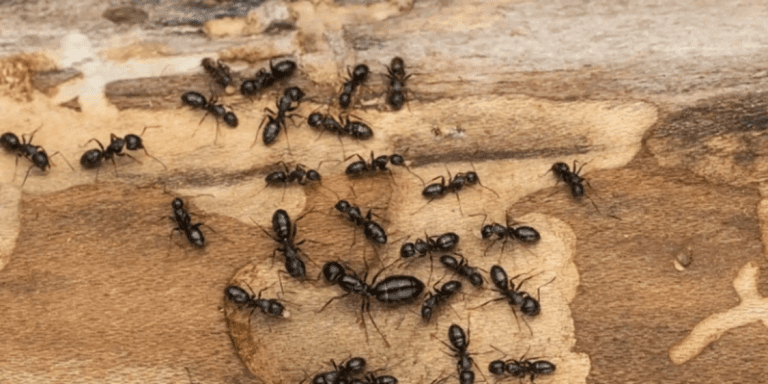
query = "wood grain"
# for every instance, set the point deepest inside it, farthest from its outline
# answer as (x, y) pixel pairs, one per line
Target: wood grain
(664, 102)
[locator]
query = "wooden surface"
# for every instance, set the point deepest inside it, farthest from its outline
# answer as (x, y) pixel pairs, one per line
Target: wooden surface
(664, 101)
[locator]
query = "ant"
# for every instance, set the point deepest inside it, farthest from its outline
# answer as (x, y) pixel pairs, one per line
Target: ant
(459, 345)
(276, 121)
(572, 179)
(521, 368)
(344, 127)
(373, 231)
(523, 234)
(184, 224)
(264, 79)
(397, 78)
(94, 158)
(394, 290)
(341, 373)
(242, 299)
(515, 297)
(357, 77)
(285, 233)
(441, 295)
(24, 148)
(462, 269)
(286, 176)
(219, 71)
(455, 184)
(362, 168)
(198, 101)
(443, 243)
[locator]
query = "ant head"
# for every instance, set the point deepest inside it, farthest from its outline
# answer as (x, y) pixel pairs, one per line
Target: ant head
(313, 175)
(177, 203)
(472, 177)
(315, 119)
(133, 142)
(230, 119)
(497, 367)
(10, 141)
(249, 87)
(333, 271)
(343, 205)
(487, 231)
(397, 160)
(530, 306)
(40, 159)
(397, 65)
(294, 93)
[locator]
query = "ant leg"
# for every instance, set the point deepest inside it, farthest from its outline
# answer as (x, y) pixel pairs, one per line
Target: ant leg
(459, 199)
(487, 302)
(489, 247)
(538, 291)
(287, 139)
(154, 158)
(115, 164)
(62, 156)
(14, 168)
(261, 125)
(368, 309)
(264, 230)
(97, 142)
(282, 198)
(422, 207)
(332, 299)
(353, 155)
(27, 175)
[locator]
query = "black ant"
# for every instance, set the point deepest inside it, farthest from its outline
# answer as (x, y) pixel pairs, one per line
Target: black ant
(459, 346)
(341, 373)
(184, 224)
(455, 184)
(440, 296)
(373, 231)
(242, 299)
(286, 176)
(276, 121)
(442, 243)
(356, 78)
(462, 269)
(285, 233)
(344, 127)
(397, 78)
(572, 179)
(219, 71)
(393, 290)
(378, 164)
(264, 79)
(523, 234)
(24, 148)
(94, 158)
(521, 368)
(198, 101)
(515, 297)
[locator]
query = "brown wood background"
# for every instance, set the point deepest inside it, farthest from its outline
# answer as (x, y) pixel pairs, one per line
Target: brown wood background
(664, 101)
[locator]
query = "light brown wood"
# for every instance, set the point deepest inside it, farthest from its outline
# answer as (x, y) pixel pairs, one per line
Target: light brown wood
(663, 101)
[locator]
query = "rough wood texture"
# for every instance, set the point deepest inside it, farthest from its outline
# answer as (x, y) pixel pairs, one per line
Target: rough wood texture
(665, 102)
